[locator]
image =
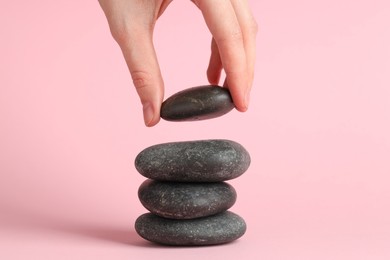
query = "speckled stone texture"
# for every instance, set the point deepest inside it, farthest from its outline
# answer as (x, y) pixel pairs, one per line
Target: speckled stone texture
(179, 200)
(197, 103)
(217, 229)
(193, 161)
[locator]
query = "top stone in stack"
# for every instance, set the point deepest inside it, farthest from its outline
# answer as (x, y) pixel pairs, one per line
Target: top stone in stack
(193, 161)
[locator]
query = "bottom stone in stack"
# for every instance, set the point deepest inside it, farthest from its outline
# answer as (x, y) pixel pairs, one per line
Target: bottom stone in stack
(217, 229)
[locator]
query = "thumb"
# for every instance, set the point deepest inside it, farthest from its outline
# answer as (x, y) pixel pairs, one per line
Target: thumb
(141, 59)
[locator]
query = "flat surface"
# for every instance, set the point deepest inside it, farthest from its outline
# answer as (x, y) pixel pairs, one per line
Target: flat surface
(317, 130)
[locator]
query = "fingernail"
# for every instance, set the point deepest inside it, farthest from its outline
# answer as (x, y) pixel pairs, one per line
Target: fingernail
(148, 113)
(247, 98)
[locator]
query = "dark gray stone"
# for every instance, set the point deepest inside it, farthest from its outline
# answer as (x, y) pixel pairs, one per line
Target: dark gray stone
(193, 161)
(197, 103)
(178, 200)
(217, 229)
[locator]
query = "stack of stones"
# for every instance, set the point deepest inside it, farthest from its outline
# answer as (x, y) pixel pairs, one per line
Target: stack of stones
(186, 192)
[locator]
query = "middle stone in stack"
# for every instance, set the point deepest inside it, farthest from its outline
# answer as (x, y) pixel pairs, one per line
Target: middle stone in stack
(186, 193)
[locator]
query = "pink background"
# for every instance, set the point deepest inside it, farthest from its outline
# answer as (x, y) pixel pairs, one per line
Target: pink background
(318, 130)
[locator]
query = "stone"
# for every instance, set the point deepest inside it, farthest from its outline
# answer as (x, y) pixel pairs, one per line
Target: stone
(190, 200)
(217, 229)
(193, 161)
(198, 103)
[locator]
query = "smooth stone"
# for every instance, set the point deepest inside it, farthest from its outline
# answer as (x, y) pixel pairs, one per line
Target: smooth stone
(190, 200)
(198, 103)
(217, 229)
(193, 161)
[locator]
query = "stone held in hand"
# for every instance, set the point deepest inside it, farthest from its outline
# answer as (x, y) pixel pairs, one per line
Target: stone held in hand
(178, 200)
(217, 229)
(197, 103)
(193, 161)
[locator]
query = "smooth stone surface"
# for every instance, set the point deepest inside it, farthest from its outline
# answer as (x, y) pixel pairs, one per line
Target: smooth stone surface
(178, 200)
(193, 161)
(217, 229)
(198, 103)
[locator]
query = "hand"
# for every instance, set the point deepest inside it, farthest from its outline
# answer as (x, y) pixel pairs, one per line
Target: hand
(233, 47)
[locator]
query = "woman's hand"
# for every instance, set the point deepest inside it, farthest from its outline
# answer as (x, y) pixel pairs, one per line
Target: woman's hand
(233, 47)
